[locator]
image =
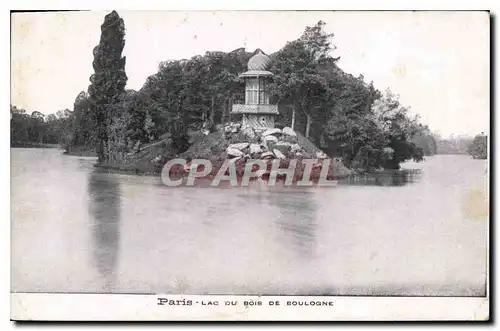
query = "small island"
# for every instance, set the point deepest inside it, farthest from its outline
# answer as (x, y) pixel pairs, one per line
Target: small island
(250, 154)
(296, 103)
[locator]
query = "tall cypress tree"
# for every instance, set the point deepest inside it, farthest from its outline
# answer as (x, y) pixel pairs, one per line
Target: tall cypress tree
(109, 79)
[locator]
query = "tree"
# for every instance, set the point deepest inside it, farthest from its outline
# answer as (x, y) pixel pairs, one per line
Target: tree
(136, 106)
(478, 149)
(19, 123)
(371, 130)
(425, 140)
(38, 128)
(350, 123)
(84, 127)
(108, 81)
(399, 128)
(298, 79)
(341, 113)
(191, 95)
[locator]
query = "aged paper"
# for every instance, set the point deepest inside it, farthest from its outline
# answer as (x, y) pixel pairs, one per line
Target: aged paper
(250, 165)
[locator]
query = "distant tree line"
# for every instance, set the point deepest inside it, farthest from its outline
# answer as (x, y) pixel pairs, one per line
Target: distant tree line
(342, 114)
(453, 145)
(478, 148)
(36, 128)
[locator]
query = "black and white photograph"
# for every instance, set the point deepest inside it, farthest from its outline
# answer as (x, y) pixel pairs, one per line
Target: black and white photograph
(220, 165)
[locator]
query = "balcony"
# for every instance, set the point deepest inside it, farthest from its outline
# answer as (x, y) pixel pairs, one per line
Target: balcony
(255, 109)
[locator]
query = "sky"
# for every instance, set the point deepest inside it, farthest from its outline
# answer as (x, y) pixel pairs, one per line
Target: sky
(437, 62)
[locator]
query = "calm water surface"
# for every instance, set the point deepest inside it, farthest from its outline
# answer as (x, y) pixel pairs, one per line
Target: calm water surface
(75, 229)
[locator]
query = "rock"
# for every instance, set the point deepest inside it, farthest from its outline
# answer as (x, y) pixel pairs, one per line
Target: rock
(282, 148)
(227, 129)
(270, 138)
(205, 132)
(295, 148)
(269, 132)
(270, 145)
(321, 155)
(259, 130)
(291, 139)
(234, 152)
(289, 131)
(234, 129)
(234, 160)
(263, 145)
(283, 143)
(239, 146)
(157, 159)
(267, 155)
(278, 154)
(247, 130)
(255, 149)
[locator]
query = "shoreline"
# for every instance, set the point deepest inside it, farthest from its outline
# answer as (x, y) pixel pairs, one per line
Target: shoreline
(130, 169)
(76, 151)
(389, 178)
(34, 145)
(352, 178)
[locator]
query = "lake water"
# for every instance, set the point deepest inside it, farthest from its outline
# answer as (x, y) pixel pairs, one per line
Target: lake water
(76, 229)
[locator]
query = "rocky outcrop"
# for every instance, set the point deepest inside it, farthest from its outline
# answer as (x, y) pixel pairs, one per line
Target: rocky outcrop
(237, 143)
(233, 152)
(232, 128)
(239, 146)
(274, 143)
(273, 132)
(289, 132)
(281, 144)
(279, 154)
(321, 155)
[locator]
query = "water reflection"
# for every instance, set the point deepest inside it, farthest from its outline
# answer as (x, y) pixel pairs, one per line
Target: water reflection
(385, 178)
(297, 221)
(104, 207)
(147, 238)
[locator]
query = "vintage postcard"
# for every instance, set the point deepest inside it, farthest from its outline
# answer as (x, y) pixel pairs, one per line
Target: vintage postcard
(250, 165)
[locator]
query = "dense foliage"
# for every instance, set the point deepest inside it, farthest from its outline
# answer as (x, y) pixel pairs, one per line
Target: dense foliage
(426, 140)
(478, 149)
(37, 129)
(344, 115)
(107, 88)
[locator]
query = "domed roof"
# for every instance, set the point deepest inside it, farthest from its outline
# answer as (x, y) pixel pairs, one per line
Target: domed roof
(259, 62)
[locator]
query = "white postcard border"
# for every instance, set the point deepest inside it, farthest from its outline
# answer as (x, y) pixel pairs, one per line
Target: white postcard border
(131, 307)
(144, 307)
